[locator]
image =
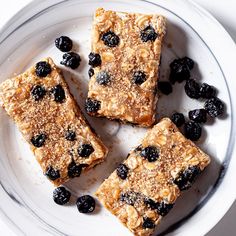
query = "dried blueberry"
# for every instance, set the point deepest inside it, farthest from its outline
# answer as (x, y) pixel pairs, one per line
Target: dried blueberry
(129, 197)
(192, 89)
(150, 153)
(64, 43)
(179, 71)
(178, 119)
(75, 170)
(94, 59)
(163, 208)
(148, 223)
(71, 59)
(70, 135)
(38, 140)
(187, 177)
(85, 204)
(92, 105)
(192, 130)
(122, 171)
(90, 72)
(52, 174)
(207, 91)
(58, 93)
(150, 203)
(103, 78)
(198, 115)
(61, 196)
(38, 92)
(139, 77)
(188, 62)
(42, 69)
(85, 150)
(165, 87)
(148, 34)
(110, 39)
(214, 107)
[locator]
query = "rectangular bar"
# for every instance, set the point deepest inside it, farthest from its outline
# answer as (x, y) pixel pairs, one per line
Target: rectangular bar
(144, 188)
(126, 50)
(47, 115)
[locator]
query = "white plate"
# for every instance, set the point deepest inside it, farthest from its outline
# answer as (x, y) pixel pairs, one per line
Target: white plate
(26, 196)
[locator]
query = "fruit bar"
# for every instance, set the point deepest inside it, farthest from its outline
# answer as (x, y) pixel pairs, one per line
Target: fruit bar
(45, 112)
(146, 185)
(125, 60)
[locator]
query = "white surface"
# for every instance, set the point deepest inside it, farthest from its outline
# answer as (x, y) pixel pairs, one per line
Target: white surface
(225, 13)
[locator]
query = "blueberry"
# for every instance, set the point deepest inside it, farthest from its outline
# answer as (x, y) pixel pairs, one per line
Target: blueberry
(61, 196)
(110, 39)
(75, 170)
(103, 78)
(179, 71)
(38, 92)
(42, 69)
(198, 115)
(71, 59)
(178, 119)
(70, 135)
(187, 177)
(85, 150)
(165, 87)
(188, 62)
(139, 77)
(38, 140)
(163, 208)
(214, 107)
(150, 203)
(94, 59)
(52, 174)
(122, 171)
(58, 93)
(91, 72)
(148, 223)
(192, 130)
(207, 91)
(148, 34)
(85, 204)
(64, 43)
(192, 89)
(92, 105)
(129, 197)
(150, 153)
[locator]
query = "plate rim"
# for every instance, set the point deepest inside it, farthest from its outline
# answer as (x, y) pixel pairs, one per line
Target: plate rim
(230, 42)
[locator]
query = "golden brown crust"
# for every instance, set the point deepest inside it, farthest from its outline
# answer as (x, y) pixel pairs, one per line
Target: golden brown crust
(152, 180)
(51, 118)
(122, 99)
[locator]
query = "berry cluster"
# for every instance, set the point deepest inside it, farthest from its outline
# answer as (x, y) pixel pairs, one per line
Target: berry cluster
(179, 71)
(85, 203)
(69, 59)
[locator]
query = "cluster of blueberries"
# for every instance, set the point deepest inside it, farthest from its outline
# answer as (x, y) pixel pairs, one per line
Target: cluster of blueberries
(180, 71)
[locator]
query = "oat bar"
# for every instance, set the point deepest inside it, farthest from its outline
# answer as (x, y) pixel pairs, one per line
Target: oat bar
(47, 115)
(126, 50)
(146, 185)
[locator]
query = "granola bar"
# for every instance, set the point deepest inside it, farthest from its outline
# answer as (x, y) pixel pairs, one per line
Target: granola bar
(126, 51)
(47, 115)
(146, 185)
